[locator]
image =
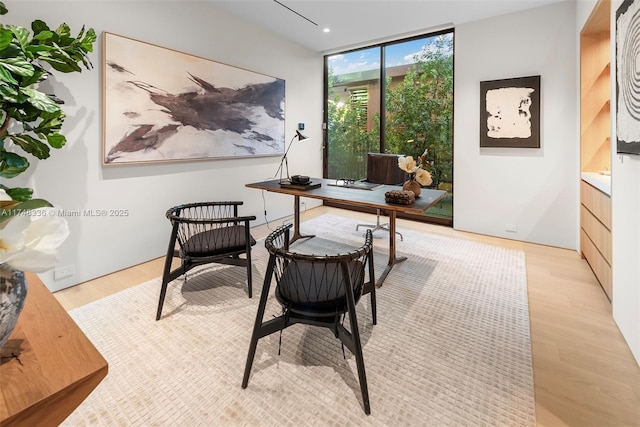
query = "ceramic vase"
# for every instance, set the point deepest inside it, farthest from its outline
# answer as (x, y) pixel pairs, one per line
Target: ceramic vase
(412, 185)
(13, 292)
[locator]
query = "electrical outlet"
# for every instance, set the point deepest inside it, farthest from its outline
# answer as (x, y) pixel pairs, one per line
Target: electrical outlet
(512, 228)
(62, 272)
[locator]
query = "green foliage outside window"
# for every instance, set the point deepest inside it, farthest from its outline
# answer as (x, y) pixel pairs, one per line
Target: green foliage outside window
(420, 111)
(419, 115)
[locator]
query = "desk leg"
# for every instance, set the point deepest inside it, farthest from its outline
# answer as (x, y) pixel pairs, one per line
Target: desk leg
(296, 221)
(392, 249)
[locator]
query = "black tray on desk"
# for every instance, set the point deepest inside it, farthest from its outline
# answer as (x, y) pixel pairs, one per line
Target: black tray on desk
(309, 186)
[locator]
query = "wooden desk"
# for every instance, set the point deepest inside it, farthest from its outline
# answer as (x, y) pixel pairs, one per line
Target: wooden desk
(48, 366)
(356, 197)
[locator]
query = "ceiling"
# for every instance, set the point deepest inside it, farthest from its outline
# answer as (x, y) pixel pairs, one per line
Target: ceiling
(354, 23)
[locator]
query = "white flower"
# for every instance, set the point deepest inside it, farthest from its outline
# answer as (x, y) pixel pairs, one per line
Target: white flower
(407, 164)
(29, 241)
(423, 177)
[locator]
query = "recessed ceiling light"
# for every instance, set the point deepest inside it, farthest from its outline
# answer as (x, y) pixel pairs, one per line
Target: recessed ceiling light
(326, 30)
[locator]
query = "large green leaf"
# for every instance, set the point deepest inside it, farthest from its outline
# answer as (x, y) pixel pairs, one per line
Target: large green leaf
(21, 34)
(51, 123)
(5, 37)
(3, 9)
(8, 94)
(18, 65)
(12, 164)
(56, 140)
(40, 100)
(7, 77)
(31, 145)
(43, 36)
(19, 194)
(38, 26)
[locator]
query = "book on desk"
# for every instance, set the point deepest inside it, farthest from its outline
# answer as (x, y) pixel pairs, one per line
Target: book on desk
(304, 187)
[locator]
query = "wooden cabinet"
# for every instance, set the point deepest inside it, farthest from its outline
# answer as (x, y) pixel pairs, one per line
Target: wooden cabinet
(595, 233)
(595, 142)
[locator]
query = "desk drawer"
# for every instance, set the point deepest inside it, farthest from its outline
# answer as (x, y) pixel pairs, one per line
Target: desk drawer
(598, 264)
(598, 203)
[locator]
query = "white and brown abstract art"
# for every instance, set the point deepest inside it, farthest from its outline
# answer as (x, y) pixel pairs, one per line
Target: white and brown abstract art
(628, 77)
(510, 112)
(164, 105)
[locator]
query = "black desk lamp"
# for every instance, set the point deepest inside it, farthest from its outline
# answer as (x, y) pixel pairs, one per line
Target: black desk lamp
(284, 161)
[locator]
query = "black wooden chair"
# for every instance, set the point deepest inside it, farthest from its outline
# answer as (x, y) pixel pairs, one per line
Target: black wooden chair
(317, 290)
(204, 233)
(382, 168)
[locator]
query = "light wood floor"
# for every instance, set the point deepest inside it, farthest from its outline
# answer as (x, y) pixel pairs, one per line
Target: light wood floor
(584, 373)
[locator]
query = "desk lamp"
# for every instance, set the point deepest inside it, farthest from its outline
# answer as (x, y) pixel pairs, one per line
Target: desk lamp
(284, 161)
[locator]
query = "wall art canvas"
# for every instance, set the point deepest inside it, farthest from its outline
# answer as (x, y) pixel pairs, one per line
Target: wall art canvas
(510, 112)
(165, 105)
(628, 77)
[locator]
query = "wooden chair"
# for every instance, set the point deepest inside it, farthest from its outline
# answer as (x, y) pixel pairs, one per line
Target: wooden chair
(204, 233)
(383, 168)
(316, 290)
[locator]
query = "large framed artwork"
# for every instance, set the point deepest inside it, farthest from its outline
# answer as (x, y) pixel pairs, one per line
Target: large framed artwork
(163, 105)
(628, 77)
(510, 112)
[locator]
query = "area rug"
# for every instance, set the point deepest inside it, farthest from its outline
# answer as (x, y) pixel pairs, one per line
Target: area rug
(451, 347)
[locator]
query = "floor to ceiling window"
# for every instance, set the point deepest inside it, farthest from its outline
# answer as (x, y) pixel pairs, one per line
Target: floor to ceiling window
(408, 114)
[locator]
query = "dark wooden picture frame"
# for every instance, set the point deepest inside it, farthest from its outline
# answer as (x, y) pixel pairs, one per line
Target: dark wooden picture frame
(627, 80)
(510, 112)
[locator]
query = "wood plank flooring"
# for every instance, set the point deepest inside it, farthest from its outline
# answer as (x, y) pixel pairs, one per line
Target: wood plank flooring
(584, 372)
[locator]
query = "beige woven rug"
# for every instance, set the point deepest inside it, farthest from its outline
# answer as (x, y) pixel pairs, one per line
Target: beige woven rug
(451, 347)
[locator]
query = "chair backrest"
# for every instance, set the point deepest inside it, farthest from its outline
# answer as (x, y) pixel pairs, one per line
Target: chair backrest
(317, 284)
(383, 168)
(209, 228)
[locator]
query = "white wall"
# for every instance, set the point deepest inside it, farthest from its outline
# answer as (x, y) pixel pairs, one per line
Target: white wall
(534, 189)
(625, 197)
(74, 178)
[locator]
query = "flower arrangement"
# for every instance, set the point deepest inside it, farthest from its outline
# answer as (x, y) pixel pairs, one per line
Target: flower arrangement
(415, 169)
(29, 237)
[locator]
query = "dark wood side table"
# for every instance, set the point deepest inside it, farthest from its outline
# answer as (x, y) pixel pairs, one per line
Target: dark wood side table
(48, 366)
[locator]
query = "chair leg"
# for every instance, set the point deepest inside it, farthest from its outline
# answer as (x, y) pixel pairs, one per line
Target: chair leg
(163, 293)
(357, 346)
(249, 277)
(257, 326)
(378, 226)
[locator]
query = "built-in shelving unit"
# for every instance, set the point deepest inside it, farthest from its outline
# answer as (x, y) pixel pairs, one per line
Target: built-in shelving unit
(595, 144)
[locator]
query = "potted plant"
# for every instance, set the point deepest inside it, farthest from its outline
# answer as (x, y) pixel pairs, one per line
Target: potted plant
(30, 122)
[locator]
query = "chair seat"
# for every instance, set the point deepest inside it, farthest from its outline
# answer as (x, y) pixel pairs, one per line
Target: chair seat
(217, 241)
(314, 288)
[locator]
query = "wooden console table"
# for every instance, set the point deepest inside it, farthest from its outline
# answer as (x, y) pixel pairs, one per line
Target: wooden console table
(48, 366)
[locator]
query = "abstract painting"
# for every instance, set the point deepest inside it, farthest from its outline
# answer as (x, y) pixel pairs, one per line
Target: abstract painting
(628, 78)
(510, 112)
(165, 105)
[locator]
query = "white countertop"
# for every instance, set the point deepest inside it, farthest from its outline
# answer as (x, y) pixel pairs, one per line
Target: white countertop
(598, 180)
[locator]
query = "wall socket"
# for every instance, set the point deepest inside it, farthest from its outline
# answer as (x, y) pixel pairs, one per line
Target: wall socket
(62, 272)
(511, 228)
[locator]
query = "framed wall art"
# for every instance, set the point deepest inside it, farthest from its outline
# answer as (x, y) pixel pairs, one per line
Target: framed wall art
(628, 78)
(510, 113)
(163, 105)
